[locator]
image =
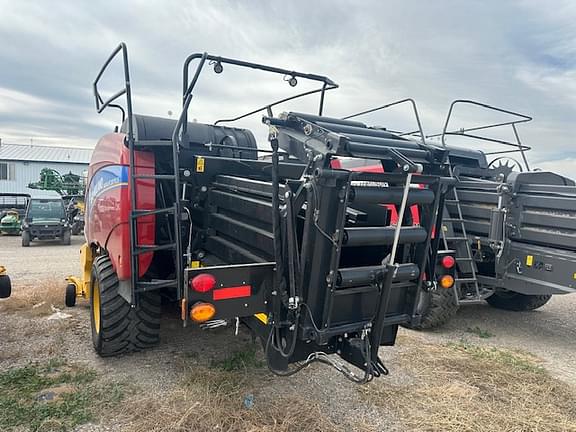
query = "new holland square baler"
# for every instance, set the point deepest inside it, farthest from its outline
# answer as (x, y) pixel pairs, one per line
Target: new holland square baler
(306, 255)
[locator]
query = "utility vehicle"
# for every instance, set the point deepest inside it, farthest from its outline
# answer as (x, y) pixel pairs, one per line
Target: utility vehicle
(45, 219)
(300, 252)
(12, 210)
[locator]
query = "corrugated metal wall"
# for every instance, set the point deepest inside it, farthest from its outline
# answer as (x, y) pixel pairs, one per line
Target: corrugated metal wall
(28, 172)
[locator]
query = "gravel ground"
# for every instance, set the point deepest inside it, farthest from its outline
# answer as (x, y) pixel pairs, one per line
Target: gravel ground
(549, 333)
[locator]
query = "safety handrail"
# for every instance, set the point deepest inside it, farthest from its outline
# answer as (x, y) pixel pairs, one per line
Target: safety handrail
(411, 101)
(102, 104)
(218, 61)
(464, 132)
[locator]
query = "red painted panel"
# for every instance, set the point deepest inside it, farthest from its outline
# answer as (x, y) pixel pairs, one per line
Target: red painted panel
(108, 202)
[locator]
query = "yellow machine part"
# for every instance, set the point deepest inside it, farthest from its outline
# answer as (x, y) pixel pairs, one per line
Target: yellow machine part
(82, 283)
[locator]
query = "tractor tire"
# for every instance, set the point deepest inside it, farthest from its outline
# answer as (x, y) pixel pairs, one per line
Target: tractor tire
(70, 299)
(65, 239)
(436, 308)
(25, 238)
(118, 328)
(5, 286)
(517, 302)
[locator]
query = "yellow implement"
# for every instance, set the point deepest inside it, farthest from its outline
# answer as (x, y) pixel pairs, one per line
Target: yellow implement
(80, 286)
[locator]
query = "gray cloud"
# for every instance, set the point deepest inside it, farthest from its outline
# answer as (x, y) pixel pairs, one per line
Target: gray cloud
(519, 55)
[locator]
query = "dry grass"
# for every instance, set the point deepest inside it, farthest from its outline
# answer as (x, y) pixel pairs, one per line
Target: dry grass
(36, 300)
(211, 399)
(465, 387)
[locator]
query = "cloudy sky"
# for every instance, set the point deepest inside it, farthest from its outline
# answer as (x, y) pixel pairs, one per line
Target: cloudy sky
(520, 55)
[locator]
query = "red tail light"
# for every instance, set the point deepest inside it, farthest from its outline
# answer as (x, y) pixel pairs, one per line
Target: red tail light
(203, 282)
(448, 262)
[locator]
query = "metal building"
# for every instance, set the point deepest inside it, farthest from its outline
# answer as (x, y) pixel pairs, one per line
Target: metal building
(21, 165)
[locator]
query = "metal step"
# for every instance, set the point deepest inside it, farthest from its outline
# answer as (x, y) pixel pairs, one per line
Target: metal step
(153, 143)
(471, 279)
(142, 286)
(155, 176)
(140, 212)
(453, 220)
(140, 249)
(470, 301)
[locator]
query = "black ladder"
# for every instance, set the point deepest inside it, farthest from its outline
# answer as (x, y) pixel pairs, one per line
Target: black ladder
(455, 237)
(137, 285)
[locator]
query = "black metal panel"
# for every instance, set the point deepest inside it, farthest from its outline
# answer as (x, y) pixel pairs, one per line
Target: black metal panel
(390, 195)
(246, 185)
(547, 220)
(258, 276)
(255, 208)
(367, 236)
(559, 239)
(231, 252)
(249, 234)
(477, 196)
(547, 271)
(470, 211)
(549, 202)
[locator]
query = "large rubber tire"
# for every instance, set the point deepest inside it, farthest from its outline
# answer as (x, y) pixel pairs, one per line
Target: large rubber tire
(25, 238)
(118, 328)
(65, 239)
(514, 301)
(5, 286)
(436, 308)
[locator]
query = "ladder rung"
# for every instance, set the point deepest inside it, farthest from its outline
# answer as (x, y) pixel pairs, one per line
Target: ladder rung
(467, 280)
(456, 238)
(144, 144)
(460, 259)
(140, 212)
(153, 248)
(155, 284)
(451, 201)
(471, 301)
(453, 220)
(155, 176)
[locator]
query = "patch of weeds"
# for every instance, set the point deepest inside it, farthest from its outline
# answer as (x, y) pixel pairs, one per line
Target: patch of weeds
(481, 333)
(52, 396)
(514, 359)
(240, 360)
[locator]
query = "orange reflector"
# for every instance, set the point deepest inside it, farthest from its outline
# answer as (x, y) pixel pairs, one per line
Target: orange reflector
(446, 281)
(202, 312)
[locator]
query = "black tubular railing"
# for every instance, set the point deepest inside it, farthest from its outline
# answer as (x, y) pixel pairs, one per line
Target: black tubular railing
(217, 61)
(101, 105)
(518, 147)
(419, 131)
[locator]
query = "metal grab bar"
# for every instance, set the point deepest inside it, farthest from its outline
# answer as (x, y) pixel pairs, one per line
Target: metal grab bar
(391, 104)
(464, 132)
(101, 105)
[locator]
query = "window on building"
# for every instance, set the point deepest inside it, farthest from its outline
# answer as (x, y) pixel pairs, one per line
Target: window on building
(6, 171)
